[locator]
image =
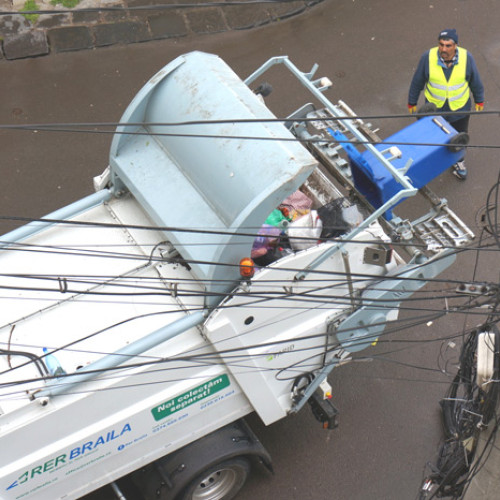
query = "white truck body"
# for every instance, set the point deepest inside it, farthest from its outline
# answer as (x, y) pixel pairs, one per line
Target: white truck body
(160, 343)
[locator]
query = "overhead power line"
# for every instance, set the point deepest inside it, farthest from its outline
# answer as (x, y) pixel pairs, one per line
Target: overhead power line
(96, 128)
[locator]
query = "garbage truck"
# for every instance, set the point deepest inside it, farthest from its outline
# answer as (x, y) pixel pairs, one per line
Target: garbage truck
(226, 263)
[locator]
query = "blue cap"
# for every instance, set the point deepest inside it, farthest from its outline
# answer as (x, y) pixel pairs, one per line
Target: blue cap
(450, 34)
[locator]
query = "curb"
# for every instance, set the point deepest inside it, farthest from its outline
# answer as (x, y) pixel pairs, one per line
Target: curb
(133, 21)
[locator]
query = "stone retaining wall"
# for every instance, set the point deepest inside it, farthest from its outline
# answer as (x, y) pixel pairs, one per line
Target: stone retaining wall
(89, 26)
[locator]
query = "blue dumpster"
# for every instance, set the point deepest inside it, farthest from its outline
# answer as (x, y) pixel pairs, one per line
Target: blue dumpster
(425, 142)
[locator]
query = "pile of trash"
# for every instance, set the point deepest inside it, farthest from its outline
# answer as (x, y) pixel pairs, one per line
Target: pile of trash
(294, 225)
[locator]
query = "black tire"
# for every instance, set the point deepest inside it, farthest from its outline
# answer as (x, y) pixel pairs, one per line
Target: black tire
(218, 482)
(458, 142)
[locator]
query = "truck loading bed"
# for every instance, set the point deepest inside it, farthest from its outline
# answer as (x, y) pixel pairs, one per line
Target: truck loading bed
(74, 282)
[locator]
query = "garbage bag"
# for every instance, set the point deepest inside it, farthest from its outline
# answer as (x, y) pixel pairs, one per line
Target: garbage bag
(305, 232)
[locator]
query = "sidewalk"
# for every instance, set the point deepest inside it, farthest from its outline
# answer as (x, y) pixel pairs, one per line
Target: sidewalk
(99, 23)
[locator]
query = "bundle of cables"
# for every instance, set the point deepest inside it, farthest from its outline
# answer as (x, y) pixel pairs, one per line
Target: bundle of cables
(467, 409)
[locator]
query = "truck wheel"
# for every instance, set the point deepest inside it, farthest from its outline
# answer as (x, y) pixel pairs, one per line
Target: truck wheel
(219, 482)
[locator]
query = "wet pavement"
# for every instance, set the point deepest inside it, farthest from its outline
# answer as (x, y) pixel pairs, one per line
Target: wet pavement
(390, 418)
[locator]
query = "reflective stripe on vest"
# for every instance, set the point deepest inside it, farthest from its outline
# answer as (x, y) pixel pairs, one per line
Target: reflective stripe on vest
(456, 89)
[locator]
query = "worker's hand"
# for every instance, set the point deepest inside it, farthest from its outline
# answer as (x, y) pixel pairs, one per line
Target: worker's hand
(479, 106)
(412, 109)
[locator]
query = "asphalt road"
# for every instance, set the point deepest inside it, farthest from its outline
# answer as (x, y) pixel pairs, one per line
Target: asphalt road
(390, 421)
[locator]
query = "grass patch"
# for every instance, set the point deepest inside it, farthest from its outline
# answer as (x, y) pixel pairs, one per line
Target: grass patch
(69, 4)
(30, 5)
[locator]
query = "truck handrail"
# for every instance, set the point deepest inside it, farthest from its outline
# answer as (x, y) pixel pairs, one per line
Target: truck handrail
(67, 212)
(312, 86)
(59, 386)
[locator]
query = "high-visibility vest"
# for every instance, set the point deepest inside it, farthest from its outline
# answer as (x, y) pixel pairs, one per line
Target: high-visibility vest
(456, 89)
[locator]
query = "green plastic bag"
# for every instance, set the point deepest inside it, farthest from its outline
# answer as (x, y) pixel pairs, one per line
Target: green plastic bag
(276, 218)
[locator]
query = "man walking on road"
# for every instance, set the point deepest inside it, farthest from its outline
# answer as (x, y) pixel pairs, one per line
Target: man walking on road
(448, 75)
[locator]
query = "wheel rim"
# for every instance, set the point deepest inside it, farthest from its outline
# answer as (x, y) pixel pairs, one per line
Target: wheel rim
(216, 485)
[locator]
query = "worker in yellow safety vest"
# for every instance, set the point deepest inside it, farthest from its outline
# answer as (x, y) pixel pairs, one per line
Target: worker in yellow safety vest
(449, 76)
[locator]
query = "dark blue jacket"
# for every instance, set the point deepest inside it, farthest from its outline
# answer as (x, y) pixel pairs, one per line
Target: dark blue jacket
(421, 77)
